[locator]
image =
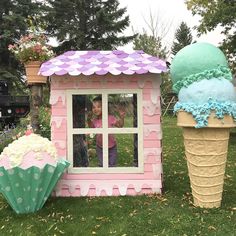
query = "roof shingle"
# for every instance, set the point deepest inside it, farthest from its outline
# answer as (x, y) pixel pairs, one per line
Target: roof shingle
(102, 62)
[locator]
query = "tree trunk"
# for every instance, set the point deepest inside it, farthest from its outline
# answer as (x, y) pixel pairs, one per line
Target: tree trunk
(35, 103)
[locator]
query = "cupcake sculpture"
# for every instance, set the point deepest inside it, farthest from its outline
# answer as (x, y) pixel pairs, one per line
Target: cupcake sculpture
(29, 170)
(206, 110)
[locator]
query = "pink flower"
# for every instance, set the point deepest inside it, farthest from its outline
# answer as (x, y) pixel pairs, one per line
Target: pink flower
(10, 46)
(28, 132)
(31, 47)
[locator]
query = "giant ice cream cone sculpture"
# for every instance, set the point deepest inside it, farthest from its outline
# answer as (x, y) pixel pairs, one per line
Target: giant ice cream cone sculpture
(206, 111)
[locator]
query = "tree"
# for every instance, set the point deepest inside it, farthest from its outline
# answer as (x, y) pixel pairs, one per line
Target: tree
(87, 24)
(153, 46)
(183, 37)
(14, 17)
(218, 13)
(150, 45)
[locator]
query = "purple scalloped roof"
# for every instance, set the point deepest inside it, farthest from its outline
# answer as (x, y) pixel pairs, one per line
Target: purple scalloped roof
(102, 62)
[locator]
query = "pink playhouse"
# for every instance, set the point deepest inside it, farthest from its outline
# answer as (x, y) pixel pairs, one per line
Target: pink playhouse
(120, 153)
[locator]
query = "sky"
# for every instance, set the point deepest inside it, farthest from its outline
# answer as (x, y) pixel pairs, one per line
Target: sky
(170, 13)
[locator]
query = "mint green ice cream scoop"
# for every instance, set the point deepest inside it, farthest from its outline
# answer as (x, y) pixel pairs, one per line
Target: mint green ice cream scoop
(196, 62)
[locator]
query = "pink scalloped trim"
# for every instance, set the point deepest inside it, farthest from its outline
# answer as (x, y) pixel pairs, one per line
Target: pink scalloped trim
(107, 187)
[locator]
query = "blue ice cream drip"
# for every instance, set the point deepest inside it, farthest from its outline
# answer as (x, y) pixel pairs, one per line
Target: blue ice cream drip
(201, 112)
(206, 96)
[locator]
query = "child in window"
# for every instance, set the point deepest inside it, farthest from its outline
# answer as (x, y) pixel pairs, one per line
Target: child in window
(94, 120)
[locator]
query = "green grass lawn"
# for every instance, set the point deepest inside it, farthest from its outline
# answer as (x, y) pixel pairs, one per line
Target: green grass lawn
(169, 214)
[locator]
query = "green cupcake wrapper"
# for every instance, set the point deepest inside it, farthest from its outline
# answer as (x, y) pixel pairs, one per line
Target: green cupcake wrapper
(27, 190)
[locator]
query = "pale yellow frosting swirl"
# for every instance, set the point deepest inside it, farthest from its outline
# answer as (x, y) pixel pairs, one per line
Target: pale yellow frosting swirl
(16, 150)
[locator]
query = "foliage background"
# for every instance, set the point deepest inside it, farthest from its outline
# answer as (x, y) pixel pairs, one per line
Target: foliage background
(218, 13)
(169, 214)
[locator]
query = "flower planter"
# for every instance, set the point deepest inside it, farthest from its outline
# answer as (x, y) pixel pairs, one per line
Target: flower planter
(32, 69)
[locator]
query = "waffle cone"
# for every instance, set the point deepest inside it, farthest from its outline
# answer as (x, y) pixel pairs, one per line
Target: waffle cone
(206, 154)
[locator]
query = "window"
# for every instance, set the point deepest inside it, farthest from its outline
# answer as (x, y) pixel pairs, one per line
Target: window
(105, 131)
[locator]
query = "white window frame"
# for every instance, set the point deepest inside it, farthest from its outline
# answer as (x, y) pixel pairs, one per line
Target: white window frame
(105, 131)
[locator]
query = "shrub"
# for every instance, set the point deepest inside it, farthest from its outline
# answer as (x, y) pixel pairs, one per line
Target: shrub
(44, 122)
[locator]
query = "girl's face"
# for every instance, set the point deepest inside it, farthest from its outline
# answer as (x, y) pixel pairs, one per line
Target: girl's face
(97, 108)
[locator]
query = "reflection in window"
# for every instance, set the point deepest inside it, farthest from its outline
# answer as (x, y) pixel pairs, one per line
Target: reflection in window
(79, 106)
(126, 150)
(88, 146)
(86, 108)
(123, 107)
(98, 146)
(80, 154)
(94, 115)
(85, 150)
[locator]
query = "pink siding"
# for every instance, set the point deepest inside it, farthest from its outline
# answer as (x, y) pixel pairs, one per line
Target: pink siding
(153, 136)
(58, 136)
(115, 192)
(153, 159)
(61, 128)
(155, 119)
(151, 143)
(100, 176)
(61, 150)
(146, 96)
(151, 109)
(147, 91)
(58, 111)
(102, 184)
(107, 188)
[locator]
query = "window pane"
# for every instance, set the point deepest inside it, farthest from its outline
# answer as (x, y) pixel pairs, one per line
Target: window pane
(122, 109)
(86, 151)
(87, 111)
(124, 153)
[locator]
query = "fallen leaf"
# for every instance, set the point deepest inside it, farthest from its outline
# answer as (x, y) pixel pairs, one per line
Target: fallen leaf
(211, 228)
